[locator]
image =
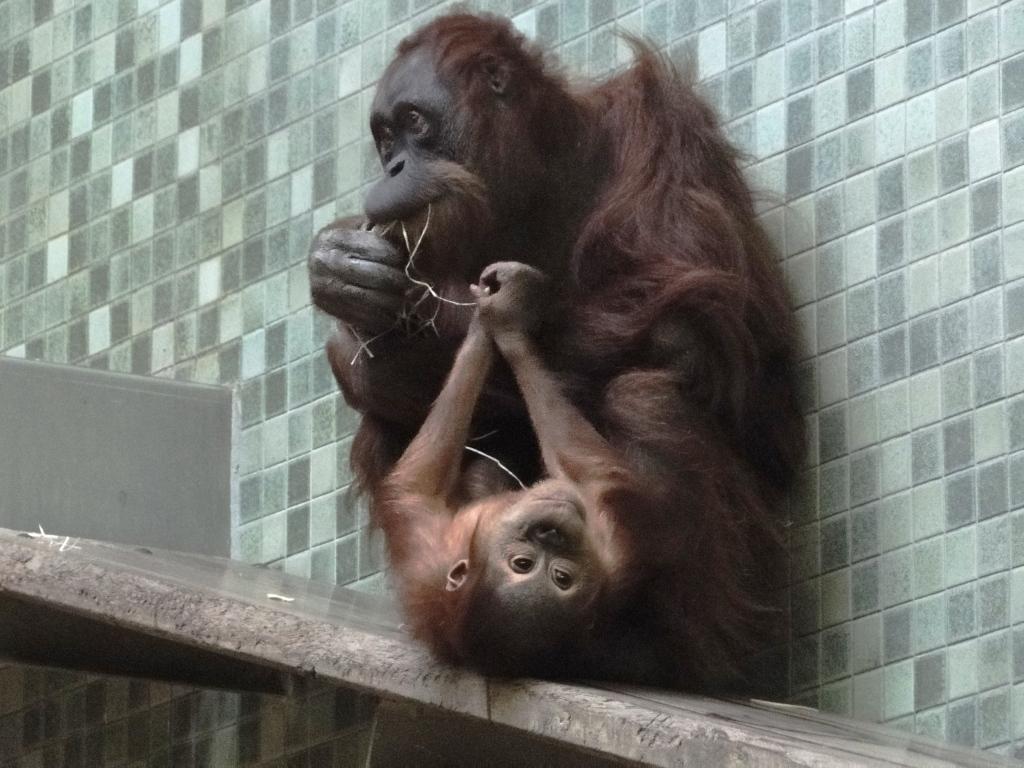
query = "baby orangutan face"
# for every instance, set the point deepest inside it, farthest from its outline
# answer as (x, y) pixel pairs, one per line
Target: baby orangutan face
(533, 574)
(539, 542)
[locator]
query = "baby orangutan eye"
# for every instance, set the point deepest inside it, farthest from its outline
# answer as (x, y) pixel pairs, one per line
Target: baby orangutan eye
(521, 564)
(562, 579)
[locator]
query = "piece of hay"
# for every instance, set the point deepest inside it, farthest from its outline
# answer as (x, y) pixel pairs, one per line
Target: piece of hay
(412, 255)
(501, 466)
(66, 545)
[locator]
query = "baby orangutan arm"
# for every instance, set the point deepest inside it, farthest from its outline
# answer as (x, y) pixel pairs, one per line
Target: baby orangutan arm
(511, 299)
(430, 466)
(416, 507)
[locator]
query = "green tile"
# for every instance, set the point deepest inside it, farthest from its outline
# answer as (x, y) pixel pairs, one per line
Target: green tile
(929, 680)
(960, 613)
(961, 555)
(274, 537)
(928, 507)
(837, 698)
(836, 597)
(928, 566)
(931, 723)
(994, 656)
(895, 519)
(929, 623)
(962, 669)
(994, 717)
(993, 602)
(867, 696)
(897, 576)
(899, 689)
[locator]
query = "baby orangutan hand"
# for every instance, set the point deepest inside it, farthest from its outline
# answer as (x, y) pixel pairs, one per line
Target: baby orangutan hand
(511, 298)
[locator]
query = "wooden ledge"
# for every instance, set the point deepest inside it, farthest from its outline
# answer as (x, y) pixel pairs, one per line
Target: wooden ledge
(214, 622)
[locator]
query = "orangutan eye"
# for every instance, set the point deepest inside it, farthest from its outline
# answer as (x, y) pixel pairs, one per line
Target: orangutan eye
(521, 564)
(416, 124)
(562, 579)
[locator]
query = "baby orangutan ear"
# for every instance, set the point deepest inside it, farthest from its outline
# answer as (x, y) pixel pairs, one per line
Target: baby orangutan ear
(457, 576)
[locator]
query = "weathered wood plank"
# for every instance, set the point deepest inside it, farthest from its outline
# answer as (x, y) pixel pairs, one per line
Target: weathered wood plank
(170, 601)
(186, 604)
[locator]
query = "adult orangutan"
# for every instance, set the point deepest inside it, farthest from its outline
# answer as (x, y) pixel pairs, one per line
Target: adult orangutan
(668, 320)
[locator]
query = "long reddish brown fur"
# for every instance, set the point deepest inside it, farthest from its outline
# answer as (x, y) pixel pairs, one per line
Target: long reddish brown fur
(636, 203)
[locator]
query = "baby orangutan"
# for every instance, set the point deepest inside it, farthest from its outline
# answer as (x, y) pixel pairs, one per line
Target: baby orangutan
(588, 572)
(509, 581)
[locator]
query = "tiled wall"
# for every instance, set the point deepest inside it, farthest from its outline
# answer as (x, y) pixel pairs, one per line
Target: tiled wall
(895, 132)
(58, 720)
(163, 166)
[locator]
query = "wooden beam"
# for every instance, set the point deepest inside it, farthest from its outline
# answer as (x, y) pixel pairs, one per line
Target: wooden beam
(216, 622)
